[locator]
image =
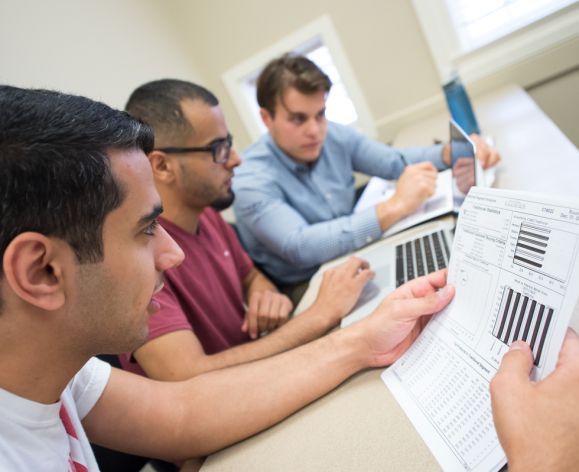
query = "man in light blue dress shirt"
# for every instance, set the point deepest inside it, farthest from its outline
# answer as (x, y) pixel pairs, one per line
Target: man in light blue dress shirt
(295, 189)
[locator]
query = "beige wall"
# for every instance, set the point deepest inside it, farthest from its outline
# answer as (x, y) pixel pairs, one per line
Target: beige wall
(559, 98)
(382, 41)
(102, 49)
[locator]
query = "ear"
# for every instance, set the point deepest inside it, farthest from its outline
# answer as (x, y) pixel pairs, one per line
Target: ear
(163, 166)
(34, 267)
(266, 118)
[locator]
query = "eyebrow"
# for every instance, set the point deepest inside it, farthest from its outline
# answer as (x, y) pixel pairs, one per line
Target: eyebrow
(218, 140)
(295, 114)
(150, 216)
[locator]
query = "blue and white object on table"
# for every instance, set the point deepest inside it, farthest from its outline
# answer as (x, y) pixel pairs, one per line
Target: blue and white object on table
(459, 105)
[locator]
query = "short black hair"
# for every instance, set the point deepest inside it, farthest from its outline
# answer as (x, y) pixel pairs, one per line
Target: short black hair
(289, 70)
(56, 178)
(158, 103)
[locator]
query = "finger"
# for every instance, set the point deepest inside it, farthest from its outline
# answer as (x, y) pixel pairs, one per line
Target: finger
(421, 286)
(427, 166)
(354, 264)
(516, 365)
(273, 317)
(485, 160)
(510, 383)
(361, 278)
(245, 325)
(286, 308)
(264, 311)
(494, 159)
(252, 315)
(364, 264)
(425, 175)
(414, 170)
(426, 181)
(412, 308)
(252, 326)
(365, 275)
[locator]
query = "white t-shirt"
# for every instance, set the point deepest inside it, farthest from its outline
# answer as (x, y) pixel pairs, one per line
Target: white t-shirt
(33, 436)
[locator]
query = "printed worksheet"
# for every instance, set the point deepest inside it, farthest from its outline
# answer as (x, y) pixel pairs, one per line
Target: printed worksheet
(514, 265)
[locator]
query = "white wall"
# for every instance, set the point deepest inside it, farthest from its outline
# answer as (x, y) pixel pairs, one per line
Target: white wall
(382, 39)
(102, 49)
(559, 99)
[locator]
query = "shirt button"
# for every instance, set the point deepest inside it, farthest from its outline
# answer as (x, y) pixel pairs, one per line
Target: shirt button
(369, 239)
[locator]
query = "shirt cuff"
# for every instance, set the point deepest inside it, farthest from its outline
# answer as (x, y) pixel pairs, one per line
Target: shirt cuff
(434, 155)
(365, 227)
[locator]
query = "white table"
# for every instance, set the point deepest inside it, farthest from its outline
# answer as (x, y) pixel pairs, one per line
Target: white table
(359, 426)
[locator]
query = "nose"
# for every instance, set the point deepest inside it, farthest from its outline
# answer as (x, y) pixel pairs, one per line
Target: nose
(168, 254)
(313, 127)
(234, 159)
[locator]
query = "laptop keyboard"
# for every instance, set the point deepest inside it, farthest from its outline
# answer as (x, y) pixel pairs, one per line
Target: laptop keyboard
(421, 256)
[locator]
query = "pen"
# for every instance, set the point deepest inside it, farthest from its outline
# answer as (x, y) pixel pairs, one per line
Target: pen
(403, 159)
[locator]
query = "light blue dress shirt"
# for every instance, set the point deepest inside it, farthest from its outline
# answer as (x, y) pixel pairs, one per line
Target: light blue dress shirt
(293, 217)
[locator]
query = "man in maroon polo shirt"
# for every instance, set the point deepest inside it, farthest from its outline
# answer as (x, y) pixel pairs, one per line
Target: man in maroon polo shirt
(217, 301)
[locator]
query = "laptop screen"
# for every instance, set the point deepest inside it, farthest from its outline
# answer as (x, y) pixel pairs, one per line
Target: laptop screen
(459, 106)
(462, 156)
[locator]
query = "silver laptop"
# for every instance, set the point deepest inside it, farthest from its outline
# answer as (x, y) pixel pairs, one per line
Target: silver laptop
(424, 248)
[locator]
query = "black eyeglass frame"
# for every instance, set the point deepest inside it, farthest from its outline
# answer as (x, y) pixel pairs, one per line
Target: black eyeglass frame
(215, 148)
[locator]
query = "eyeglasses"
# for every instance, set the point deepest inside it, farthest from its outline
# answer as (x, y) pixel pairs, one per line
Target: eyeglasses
(220, 149)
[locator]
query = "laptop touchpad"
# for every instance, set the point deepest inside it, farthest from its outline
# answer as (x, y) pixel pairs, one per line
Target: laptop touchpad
(383, 277)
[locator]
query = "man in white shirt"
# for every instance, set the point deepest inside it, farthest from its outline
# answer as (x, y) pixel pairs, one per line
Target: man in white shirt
(82, 257)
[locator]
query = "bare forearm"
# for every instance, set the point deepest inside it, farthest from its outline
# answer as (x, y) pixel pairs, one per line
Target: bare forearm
(256, 282)
(389, 212)
(252, 397)
(180, 420)
(302, 329)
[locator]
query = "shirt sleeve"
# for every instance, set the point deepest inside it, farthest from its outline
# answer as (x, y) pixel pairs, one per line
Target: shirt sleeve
(170, 316)
(89, 384)
(378, 159)
(285, 232)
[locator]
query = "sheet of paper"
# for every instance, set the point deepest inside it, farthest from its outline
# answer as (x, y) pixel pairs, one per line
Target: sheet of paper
(379, 190)
(515, 268)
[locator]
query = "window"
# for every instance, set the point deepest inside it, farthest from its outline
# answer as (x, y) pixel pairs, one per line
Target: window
(480, 22)
(319, 42)
(339, 106)
(480, 37)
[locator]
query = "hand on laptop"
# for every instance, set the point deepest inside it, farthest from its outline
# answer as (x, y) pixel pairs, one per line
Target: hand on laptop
(538, 422)
(341, 287)
(487, 155)
(399, 319)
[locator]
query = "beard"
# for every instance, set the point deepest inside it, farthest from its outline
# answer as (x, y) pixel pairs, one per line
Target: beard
(223, 202)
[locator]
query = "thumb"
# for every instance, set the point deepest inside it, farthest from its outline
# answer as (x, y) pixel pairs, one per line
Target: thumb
(517, 363)
(428, 304)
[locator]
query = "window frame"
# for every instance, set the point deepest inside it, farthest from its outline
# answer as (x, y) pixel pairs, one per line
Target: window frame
(528, 41)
